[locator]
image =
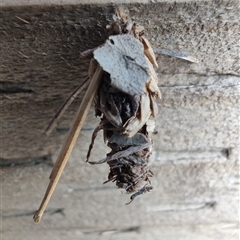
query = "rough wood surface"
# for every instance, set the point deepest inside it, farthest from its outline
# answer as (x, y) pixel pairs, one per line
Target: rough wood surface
(196, 152)
(190, 200)
(40, 66)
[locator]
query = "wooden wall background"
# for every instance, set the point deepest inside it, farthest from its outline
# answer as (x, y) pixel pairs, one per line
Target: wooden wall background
(196, 154)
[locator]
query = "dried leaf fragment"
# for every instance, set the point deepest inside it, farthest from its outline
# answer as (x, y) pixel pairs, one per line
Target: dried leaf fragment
(122, 56)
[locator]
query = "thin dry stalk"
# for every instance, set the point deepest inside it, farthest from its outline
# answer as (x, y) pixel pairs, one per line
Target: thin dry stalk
(64, 107)
(70, 141)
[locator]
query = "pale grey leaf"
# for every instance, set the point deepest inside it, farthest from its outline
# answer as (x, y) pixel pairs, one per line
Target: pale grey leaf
(122, 56)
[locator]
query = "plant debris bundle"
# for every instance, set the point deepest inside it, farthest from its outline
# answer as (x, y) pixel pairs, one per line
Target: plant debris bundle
(126, 103)
(124, 85)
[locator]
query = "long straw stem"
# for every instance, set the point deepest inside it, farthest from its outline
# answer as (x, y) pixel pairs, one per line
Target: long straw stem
(70, 141)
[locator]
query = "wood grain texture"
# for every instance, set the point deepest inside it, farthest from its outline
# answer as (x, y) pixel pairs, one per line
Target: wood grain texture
(40, 64)
(191, 199)
(196, 151)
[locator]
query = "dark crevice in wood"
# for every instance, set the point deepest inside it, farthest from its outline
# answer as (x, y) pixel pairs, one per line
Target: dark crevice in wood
(13, 88)
(30, 213)
(189, 207)
(136, 229)
(226, 152)
(46, 159)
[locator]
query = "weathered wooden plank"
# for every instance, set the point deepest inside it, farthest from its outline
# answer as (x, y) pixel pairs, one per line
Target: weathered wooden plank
(199, 196)
(40, 66)
(196, 152)
(182, 232)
